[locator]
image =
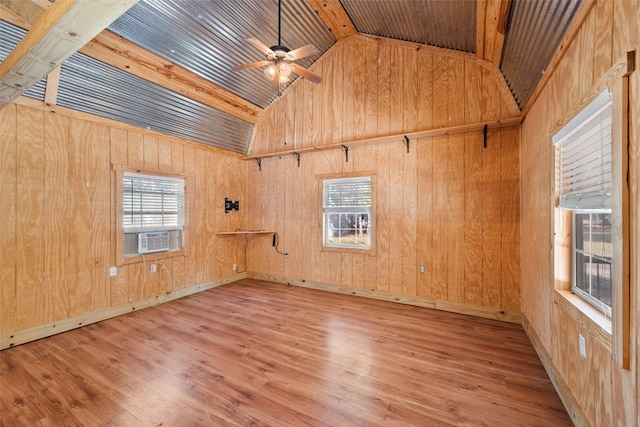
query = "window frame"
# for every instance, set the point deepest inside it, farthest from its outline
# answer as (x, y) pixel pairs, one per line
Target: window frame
(121, 259)
(371, 248)
(618, 328)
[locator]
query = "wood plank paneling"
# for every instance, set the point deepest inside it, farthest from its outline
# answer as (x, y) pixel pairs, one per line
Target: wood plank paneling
(58, 181)
(510, 232)
(599, 390)
(30, 215)
(8, 212)
(421, 197)
(100, 215)
(80, 263)
(56, 222)
(473, 219)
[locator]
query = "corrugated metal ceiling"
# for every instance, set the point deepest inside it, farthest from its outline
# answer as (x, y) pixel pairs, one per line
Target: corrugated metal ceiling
(207, 38)
(535, 31)
(446, 24)
(93, 87)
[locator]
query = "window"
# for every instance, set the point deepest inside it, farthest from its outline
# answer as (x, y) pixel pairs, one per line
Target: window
(585, 187)
(347, 212)
(152, 213)
(592, 258)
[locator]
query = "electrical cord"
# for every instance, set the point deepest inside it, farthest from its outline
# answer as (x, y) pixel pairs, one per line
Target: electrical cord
(246, 244)
(164, 267)
(276, 243)
(144, 280)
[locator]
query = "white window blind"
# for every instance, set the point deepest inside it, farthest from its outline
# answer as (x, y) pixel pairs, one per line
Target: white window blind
(347, 193)
(585, 157)
(152, 203)
(347, 212)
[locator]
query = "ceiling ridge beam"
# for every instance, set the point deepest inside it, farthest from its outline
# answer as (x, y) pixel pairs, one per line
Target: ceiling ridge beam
(57, 34)
(334, 17)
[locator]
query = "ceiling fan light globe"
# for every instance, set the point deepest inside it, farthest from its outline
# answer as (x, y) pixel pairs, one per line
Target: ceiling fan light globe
(285, 69)
(270, 71)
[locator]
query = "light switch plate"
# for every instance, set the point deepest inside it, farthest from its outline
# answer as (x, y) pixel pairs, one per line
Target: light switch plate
(113, 271)
(582, 344)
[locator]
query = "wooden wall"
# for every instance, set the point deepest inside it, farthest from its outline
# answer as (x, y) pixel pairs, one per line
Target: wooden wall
(449, 204)
(605, 394)
(57, 215)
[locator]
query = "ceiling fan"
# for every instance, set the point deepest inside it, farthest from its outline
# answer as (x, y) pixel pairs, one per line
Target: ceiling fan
(280, 60)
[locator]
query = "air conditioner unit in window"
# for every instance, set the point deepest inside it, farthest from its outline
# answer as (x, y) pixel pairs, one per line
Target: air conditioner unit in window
(153, 242)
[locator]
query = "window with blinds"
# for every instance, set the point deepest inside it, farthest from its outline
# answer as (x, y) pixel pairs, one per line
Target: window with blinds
(152, 203)
(347, 212)
(584, 185)
(585, 157)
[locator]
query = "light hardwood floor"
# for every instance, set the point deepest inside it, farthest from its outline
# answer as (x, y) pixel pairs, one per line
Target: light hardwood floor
(259, 353)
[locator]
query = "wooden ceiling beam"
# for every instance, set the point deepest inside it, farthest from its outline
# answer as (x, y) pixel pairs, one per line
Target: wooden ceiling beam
(126, 56)
(58, 33)
(494, 28)
(334, 17)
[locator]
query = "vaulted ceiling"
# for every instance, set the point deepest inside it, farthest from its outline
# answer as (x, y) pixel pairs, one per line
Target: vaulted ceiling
(166, 65)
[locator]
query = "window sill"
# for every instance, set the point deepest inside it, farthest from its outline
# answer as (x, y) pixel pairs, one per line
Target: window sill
(365, 251)
(586, 315)
(136, 259)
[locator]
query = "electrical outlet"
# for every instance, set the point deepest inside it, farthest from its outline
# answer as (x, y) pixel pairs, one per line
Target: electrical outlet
(582, 344)
(154, 268)
(422, 269)
(113, 271)
(235, 267)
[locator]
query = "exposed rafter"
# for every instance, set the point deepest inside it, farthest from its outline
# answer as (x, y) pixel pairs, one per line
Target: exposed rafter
(496, 16)
(118, 52)
(58, 33)
(334, 17)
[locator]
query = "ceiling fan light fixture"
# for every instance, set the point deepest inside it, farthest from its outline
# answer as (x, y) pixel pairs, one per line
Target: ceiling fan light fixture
(285, 69)
(279, 59)
(270, 71)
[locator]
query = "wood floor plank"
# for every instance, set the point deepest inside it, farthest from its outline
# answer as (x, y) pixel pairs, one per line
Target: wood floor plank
(259, 353)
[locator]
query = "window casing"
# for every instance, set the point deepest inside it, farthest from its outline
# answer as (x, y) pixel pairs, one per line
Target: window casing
(347, 220)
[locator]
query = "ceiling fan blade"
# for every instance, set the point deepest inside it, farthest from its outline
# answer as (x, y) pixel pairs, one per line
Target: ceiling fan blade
(259, 45)
(303, 72)
(303, 52)
(250, 65)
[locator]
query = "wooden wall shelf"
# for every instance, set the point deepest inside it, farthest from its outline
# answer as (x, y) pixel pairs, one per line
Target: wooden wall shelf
(450, 130)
